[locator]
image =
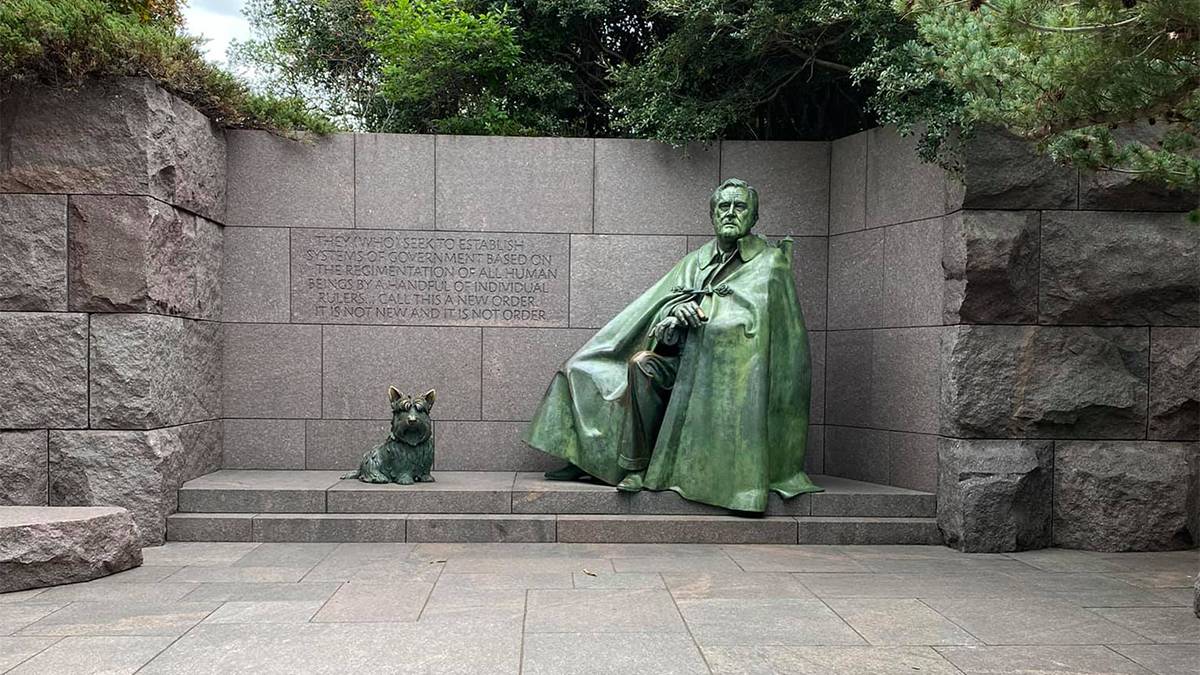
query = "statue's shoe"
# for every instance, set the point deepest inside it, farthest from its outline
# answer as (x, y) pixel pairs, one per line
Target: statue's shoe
(568, 472)
(631, 483)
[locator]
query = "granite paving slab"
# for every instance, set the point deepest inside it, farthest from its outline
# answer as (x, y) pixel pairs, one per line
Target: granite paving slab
(456, 605)
(615, 653)
(1160, 624)
(1032, 659)
(84, 655)
(765, 621)
(602, 611)
(375, 602)
(898, 622)
(793, 559)
(269, 611)
(1031, 621)
(126, 618)
(1162, 659)
(14, 617)
(244, 591)
(827, 660)
(692, 585)
(14, 650)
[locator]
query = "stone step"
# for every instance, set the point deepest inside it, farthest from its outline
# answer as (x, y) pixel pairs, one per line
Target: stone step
(492, 492)
(537, 527)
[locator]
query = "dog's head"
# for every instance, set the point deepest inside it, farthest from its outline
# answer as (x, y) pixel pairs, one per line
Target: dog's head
(410, 416)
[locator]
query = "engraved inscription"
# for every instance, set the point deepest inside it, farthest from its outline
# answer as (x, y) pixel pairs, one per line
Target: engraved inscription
(394, 277)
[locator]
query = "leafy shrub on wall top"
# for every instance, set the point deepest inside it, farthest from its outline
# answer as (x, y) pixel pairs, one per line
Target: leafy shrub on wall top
(63, 42)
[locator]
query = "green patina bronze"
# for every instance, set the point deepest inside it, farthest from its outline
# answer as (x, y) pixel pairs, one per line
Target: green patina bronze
(406, 455)
(701, 385)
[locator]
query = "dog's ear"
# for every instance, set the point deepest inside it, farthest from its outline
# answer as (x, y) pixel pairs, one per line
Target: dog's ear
(429, 397)
(394, 394)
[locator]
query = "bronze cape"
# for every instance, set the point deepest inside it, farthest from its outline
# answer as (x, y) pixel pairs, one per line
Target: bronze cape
(736, 425)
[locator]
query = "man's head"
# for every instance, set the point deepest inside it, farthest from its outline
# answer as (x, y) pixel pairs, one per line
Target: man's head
(734, 209)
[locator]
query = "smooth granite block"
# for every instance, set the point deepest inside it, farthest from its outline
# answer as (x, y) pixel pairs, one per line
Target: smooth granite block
(1175, 383)
(814, 454)
(250, 491)
(44, 380)
(912, 461)
(277, 182)
(209, 527)
(263, 444)
(360, 363)
(609, 272)
(816, 356)
(271, 370)
(683, 529)
(811, 269)
(856, 298)
(451, 492)
(256, 275)
(792, 179)
(505, 184)
(24, 469)
(848, 184)
(532, 493)
(913, 278)
(852, 498)
(905, 379)
(329, 527)
(861, 454)
(518, 364)
(858, 531)
(900, 187)
(645, 187)
(33, 260)
(393, 181)
(483, 527)
(339, 445)
(487, 446)
(848, 373)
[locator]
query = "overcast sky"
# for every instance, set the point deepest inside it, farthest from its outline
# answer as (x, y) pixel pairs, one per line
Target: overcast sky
(218, 20)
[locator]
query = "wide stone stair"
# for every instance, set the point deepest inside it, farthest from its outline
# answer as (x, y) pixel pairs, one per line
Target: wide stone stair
(478, 506)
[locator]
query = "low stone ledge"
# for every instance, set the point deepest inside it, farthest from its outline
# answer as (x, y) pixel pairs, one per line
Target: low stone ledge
(46, 546)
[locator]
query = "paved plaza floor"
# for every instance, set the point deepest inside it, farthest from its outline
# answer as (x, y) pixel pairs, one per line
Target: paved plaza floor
(626, 608)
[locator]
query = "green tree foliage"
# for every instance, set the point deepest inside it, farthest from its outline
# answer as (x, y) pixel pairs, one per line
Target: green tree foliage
(63, 42)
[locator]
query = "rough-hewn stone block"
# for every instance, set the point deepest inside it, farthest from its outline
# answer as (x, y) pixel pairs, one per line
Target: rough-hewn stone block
(495, 183)
(609, 272)
(138, 470)
(121, 136)
(393, 181)
(278, 182)
(518, 364)
(912, 274)
(153, 371)
(848, 184)
(900, 187)
(1124, 496)
(361, 362)
(33, 259)
(644, 187)
(43, 381)
(47, 546)
(1001, 171)
(856, 280)
(995, 496)
(263, 444)
(1120, 268)
(256, 275)
(1175, 384)
(990, 259)
(23, 468)
(1119, 191)
(792, 179)
(139, 254)
(271, 371)
(1047, 382)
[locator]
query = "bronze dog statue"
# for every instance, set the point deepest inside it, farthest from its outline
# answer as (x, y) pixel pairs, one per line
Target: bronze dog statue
(406, 456)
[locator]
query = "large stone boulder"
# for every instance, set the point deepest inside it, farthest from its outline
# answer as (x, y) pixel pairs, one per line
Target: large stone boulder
(137, 254)
(1044, 382)
(23, 468)
(46, 546)
(114, 136)
(1125, 495)
(1120, 268)
(33, 269)
(994, 496)
(990, 259)
(1175, 384)
(43, 370)
(138, 470)
(151, 371)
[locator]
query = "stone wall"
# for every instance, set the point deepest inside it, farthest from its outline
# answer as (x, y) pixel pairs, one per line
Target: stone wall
(1037, 328)
(110, 202)
(337, 253)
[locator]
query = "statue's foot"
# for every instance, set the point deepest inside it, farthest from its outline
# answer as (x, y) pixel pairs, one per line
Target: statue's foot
(568, 472)
(632, 482)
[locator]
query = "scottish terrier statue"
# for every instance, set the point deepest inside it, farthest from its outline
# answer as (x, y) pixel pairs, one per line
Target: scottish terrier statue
(406, 456)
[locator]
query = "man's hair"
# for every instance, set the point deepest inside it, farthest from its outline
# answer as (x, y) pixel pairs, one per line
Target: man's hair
(752, 200)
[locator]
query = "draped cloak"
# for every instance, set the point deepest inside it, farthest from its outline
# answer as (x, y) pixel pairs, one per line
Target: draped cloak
(736, 425)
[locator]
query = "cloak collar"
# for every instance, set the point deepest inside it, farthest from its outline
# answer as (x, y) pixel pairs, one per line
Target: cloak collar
(749, 247)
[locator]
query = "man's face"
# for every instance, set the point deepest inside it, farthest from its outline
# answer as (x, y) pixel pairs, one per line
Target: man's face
(732, 216)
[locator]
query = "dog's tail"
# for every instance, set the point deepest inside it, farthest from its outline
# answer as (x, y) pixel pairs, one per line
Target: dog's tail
(353, 474)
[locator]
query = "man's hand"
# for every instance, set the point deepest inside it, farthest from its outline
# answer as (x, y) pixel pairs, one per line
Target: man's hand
(667, 331)
(690, 314)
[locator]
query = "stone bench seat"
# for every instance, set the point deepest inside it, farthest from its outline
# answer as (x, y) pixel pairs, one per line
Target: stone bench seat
(51, 545)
